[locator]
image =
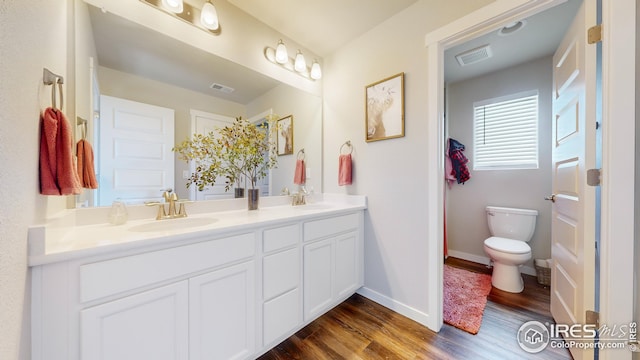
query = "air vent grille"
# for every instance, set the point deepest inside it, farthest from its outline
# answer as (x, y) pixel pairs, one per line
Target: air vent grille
(223, 88)
(474, 55)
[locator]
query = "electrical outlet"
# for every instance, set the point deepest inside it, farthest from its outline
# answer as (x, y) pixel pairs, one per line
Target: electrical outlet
(308, 173)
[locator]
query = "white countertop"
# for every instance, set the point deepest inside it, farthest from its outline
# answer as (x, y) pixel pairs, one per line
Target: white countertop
(77, 234)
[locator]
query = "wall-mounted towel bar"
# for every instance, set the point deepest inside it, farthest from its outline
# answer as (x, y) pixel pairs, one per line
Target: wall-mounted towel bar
(50, 78)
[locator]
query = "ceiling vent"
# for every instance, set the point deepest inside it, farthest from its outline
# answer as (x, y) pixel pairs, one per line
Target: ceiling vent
(474, 55)
(222, 88)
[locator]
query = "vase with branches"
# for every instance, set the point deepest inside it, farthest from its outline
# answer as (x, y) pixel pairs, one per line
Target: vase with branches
(242, 150)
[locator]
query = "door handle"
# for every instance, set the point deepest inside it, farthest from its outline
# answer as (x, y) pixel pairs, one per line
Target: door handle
(551, 198)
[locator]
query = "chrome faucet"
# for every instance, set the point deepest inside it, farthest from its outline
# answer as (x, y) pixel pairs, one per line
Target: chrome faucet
(171, 198)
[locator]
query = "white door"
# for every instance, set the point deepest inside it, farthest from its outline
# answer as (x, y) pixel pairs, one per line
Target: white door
(136, 160)
(149, 325)
(573, 215)
(204, 123)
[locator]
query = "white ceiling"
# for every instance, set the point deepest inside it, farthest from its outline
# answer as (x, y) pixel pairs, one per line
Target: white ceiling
(322, 26)
(538, 38)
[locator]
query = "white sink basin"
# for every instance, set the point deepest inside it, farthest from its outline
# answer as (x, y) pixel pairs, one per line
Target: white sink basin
(172, 224)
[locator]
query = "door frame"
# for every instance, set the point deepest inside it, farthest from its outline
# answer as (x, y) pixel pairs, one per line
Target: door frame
(618, 78)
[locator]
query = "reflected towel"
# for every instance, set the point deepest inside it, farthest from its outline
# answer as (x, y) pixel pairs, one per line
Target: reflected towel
(344, 170)
(58, 175)
(86, 169)
(300, 176)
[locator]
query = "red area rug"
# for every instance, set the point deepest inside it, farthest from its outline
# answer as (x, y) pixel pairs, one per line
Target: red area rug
(465, 296)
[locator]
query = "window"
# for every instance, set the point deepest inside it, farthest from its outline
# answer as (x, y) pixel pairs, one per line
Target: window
(506, 132)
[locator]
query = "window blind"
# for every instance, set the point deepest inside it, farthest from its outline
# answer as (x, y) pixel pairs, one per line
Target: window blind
(506, 133)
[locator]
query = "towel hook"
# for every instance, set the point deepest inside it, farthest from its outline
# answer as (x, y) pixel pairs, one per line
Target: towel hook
(300, 153)
(49, 78)
(348, 144)
(82, 122)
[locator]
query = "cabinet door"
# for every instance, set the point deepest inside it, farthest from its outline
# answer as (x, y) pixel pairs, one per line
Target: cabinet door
(222, 313)
(347, 264)
(318, 277)
(280, 316)
(149, 325)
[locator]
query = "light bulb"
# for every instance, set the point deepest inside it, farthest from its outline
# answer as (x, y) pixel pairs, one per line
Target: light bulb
(281, 53)
(209, 16)
(316, 72)
(301, 64)
(175, 6)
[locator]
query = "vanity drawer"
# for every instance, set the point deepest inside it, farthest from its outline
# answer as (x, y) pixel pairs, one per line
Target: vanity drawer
(326, 227)
(281, 272)
(110, 277)
(279, 238)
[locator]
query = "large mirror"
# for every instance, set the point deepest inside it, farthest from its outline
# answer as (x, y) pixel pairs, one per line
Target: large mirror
(121, 62)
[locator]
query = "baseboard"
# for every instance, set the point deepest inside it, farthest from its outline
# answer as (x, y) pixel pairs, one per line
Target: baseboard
(400, 308)
(485, 260)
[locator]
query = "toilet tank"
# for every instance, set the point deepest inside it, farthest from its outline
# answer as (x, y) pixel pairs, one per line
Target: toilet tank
(511, 223)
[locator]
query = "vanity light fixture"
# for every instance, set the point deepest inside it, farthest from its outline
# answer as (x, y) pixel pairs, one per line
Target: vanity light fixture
(316, 72)
(209, 16)
(300, 64)
(205, 19)
(279, 56)
(175, 6)
(282, 57)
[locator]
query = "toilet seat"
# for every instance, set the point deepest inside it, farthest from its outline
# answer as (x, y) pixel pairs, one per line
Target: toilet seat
(508, 246)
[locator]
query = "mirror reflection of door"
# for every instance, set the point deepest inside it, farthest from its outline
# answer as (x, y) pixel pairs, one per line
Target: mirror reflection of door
(264, 184)
(136, 160)
(204, 123)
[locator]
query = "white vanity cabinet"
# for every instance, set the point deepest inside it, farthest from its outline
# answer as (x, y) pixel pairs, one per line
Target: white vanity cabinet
(218, 294)
(333, 262)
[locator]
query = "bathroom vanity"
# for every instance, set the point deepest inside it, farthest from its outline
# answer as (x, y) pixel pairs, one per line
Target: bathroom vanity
(215, 285)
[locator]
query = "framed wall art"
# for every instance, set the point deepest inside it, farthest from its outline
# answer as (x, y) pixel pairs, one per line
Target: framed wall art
(384, 108)
(285, 135)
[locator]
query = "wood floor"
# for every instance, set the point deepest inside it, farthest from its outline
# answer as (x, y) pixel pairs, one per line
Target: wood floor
(362, 329)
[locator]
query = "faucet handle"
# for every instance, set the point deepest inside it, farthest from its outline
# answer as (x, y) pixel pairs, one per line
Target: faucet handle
(182, 210)
(166, 193)
(161, 212)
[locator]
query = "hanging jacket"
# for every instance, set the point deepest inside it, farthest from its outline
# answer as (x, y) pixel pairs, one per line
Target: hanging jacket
(459, 161)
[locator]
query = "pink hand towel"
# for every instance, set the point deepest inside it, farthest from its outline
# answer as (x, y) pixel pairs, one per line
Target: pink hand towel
(86, 169)
(344, 170)
(58, 175)
(300, 176)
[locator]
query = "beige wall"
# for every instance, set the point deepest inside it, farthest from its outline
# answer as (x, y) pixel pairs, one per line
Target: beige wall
(33, 35)
(392, 173)
(466, 218)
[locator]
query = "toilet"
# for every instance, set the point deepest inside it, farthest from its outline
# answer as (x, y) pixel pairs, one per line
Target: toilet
(511, 230)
